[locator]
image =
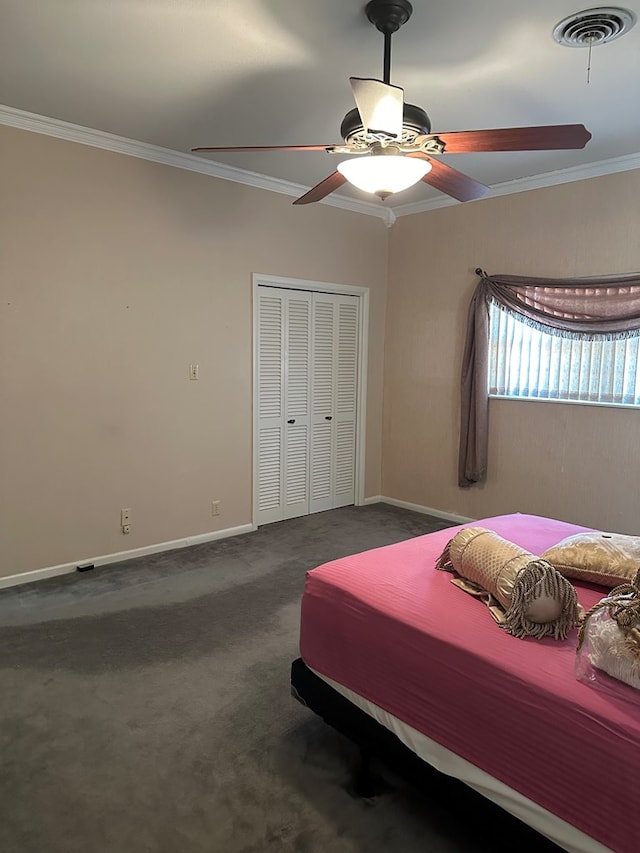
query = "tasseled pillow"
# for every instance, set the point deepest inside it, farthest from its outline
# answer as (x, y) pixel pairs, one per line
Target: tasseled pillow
(525, 594)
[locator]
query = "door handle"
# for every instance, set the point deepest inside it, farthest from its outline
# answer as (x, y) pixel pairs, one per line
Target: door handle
(327, 417)
(292, 421)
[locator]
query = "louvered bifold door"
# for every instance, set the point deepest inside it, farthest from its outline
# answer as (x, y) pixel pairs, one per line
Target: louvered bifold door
(297, 393)
(307, 383)
(322, 399)
(345, 406)
(334, 386)
(270, 403)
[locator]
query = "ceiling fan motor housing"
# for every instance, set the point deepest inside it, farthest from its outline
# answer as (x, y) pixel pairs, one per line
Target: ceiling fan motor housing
(415, 122)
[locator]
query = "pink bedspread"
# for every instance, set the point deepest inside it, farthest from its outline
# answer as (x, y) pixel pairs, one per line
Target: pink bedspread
(388, 625)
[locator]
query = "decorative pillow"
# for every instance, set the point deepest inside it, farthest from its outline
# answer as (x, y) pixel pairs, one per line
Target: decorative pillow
(608, 559)
(609, 637)
(609, 649)
(525, 594)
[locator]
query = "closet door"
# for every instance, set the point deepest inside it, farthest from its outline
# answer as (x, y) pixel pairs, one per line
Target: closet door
(346, 383)
(322, 402)
(297, 328)
(282, 447)
(334, 373)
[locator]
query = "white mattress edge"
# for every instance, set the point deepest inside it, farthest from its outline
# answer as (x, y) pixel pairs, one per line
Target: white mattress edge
(557, 830)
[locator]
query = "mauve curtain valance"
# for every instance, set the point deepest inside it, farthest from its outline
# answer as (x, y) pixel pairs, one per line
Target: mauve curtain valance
(592, 307)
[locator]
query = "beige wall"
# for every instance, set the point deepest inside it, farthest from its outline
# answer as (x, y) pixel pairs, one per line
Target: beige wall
(115, 275)
(578, 463)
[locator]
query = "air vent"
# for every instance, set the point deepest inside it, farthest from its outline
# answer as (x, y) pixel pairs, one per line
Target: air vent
(594, 27)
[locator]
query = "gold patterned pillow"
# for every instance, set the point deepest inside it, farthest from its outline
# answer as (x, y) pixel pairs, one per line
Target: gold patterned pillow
(607, 559)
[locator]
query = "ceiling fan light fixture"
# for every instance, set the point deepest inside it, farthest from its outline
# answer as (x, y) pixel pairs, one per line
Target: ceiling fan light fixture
(384, 175)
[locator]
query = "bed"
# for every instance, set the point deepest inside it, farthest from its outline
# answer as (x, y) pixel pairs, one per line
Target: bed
(396, 656)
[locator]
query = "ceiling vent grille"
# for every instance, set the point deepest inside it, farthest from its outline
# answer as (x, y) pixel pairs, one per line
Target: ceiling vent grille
(593, 26)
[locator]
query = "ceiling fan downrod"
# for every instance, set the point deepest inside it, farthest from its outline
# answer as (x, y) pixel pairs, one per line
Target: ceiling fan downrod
(388, 16)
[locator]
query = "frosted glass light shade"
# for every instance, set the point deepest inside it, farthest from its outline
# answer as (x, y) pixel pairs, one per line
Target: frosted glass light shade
(384, 174)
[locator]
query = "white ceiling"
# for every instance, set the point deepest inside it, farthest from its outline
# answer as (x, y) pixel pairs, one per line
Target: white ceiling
(184, 73)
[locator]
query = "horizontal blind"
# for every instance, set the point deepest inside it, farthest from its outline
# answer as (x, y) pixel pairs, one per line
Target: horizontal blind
(526, 362)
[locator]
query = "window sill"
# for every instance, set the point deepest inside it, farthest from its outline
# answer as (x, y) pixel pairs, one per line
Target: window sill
(631, 406)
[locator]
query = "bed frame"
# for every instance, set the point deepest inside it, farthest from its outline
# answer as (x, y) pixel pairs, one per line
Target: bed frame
(378, 745)
(373, 739)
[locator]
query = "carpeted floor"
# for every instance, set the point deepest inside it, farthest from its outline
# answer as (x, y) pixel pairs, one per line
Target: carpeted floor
(145, 707)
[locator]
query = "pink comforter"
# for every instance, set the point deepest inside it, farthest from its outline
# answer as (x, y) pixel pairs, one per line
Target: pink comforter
(388, 625)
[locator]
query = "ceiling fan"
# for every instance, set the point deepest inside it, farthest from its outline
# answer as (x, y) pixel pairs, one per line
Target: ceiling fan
(389, 146)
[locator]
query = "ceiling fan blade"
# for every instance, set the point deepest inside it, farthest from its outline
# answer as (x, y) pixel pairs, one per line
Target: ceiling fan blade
(380, 106)
(270, 148)
(450, 181)
(555, 136)
(322, 189)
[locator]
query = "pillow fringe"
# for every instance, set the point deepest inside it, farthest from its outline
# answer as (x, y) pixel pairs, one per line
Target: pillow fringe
(537, 577)
(444, 560)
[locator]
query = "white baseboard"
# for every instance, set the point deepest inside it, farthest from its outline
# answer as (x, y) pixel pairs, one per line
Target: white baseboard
(157, 548)
(375, 499)
(425, 510)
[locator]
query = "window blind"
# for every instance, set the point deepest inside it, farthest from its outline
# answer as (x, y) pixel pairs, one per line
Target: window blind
(528, 363)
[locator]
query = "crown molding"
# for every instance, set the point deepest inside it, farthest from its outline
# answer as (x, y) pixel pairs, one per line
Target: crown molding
(154, 153)
(536, 182)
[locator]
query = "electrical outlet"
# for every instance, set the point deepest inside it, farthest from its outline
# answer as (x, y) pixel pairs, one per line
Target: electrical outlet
(126, 528)
(194, 371)
(125, 516)
(215, 507)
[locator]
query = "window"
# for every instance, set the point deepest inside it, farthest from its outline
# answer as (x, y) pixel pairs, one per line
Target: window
(528, 363)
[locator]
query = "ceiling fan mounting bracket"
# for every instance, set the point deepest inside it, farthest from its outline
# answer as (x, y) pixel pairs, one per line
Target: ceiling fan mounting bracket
(388, 15)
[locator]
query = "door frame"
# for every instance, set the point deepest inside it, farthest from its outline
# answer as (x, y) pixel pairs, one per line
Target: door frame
(283, 283)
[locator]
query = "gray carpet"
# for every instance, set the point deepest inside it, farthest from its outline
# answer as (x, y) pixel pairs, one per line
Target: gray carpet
(146, 707)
